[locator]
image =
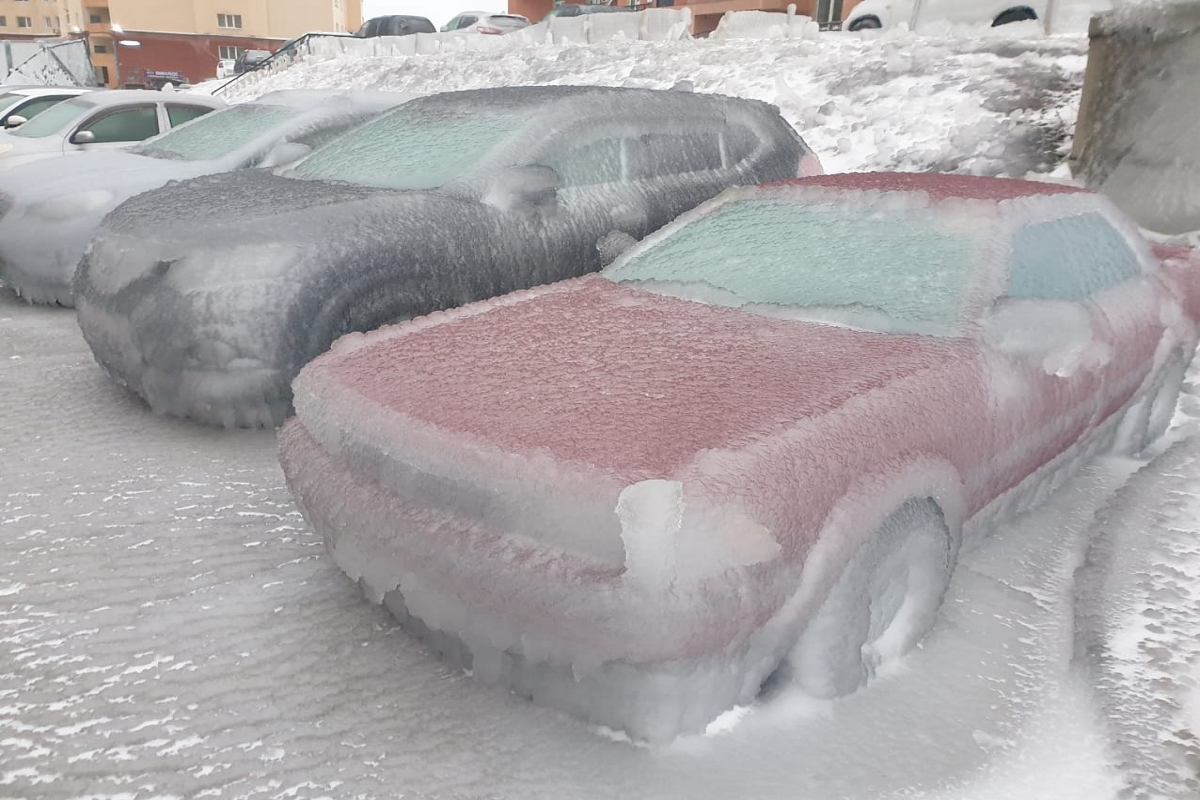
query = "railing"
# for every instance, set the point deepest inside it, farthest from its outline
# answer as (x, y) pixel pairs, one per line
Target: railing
(284, 54)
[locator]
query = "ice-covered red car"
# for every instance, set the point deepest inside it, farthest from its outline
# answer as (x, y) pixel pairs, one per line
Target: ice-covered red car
(753, 442)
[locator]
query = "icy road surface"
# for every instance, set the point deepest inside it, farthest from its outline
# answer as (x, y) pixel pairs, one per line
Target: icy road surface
(169, 629)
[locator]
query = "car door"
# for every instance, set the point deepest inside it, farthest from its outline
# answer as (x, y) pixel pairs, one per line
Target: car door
(114, 128)
(595, 196)
(1057, 356)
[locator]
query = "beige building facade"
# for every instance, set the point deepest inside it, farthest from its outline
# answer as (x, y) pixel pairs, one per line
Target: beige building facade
(264, 19)
(24, 19)
(148, 42)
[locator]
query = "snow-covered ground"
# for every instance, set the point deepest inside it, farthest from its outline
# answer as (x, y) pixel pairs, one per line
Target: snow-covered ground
(169, 628)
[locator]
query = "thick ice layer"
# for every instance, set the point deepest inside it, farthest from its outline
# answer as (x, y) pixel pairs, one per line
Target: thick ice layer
(51, 208)
(533, 178)
(1137, 628)
(639, 490)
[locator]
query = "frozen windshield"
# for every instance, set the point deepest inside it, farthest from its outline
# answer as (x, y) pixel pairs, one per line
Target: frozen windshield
(55, 119)
(411, 148)
(216, 135)
(883, 269)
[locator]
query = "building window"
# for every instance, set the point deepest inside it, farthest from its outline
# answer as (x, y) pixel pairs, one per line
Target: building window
(228, 52)
(95, 19)
(229, 20)
(102, 76)
(100, 48)
(51, 22)
(24, 22)
(3, 22)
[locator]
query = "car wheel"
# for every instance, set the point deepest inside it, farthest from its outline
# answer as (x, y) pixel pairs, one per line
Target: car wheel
(1145, 422)
(866, 24)
(882, 604)
(1014, 15)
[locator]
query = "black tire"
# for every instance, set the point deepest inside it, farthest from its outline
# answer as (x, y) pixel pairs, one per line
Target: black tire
(866, 24)
(1014, 15)
(883, 603)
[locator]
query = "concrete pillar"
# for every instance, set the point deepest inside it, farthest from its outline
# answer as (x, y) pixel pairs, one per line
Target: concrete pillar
(1137, 138)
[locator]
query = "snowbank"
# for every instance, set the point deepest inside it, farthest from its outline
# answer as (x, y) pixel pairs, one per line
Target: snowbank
(1138, 632)
(980, 103)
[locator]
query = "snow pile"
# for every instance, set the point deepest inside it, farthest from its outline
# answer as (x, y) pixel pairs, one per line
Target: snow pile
(981, 104)
(766, 25)
(1138, 598)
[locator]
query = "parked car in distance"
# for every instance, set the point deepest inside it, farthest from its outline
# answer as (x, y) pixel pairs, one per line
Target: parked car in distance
(486, 22)
(395, 25)
(888, 13)
(100, 121)
(576, 9)
(752, 444)
(540, 182)
(250, 60)
(63, 200)
(225, 68)
(19, 104)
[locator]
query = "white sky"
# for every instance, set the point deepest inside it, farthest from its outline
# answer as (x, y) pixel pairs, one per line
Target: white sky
(439, 12)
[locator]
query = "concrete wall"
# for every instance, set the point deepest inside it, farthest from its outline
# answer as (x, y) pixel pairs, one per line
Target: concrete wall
(1137, 138)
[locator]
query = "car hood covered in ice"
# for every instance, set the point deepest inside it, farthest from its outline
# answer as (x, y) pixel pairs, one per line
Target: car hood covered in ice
(116, 172)
(634, 384)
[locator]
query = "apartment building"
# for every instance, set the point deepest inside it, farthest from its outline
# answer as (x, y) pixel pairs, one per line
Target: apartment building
(706, 13)
(149, 42)
(29, 19)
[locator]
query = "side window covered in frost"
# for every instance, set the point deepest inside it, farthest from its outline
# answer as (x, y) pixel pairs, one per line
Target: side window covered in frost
(1069, 259)
(658, 155)
(586, 163)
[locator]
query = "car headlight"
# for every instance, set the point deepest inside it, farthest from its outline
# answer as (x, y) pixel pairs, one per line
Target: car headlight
(71, 205)
(670, 539)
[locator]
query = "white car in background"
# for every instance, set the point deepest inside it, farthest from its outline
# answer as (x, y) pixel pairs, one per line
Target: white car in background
(485, 22)
(225, 68)
(61, 201)
(19, 104)
(101, 121)
(1059, 14)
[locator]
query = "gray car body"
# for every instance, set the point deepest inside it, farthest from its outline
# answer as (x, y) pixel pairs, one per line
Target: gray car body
(216, 330)
(49, 209)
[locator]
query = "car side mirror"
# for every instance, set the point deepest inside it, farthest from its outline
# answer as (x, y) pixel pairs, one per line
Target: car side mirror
(613, 245)
(285, 153)
(15, 121)
(83, 137)
(526, 188)
(1055, 335)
